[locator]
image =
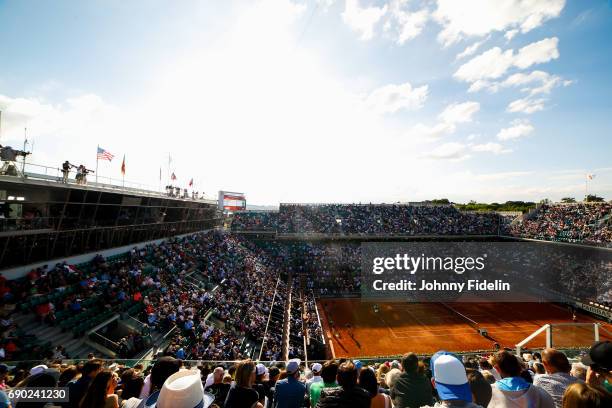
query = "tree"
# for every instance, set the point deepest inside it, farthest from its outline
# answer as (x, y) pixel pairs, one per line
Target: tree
(592, 198)
(440, 201)
(568, 200)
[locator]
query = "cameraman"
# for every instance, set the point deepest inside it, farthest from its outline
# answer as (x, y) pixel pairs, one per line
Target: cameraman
(66, 170)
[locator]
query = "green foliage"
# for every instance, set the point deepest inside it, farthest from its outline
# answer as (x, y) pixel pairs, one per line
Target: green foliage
(592, 198)
(522, 206)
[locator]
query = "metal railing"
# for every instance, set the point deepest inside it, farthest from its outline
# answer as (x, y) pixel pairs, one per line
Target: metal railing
(104, 341)
(572, 353)
(34, 171)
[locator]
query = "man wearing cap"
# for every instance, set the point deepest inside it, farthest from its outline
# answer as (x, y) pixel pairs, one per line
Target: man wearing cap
(289, 393)
(513, 390)
(411, 390)
(557, 377)
(316, 375)
(451, 382)
(348, 394)
(328, 375)
(259, 386)
(599, 361)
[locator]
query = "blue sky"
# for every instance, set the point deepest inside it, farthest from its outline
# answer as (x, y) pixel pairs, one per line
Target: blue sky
(319, 100)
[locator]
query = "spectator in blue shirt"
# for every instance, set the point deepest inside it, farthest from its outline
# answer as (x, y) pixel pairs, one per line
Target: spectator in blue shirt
(289, 393)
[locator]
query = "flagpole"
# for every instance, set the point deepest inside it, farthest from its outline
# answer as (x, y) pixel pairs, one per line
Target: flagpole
(97, 148)
(169, 160)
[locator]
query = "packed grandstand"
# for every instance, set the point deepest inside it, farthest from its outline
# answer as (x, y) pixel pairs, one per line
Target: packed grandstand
(243, 313)
(588, 223)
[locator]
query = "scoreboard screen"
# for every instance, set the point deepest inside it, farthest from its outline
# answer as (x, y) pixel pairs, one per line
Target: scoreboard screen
(231, 201)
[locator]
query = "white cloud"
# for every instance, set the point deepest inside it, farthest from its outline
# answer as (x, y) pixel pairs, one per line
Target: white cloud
(452, 115)
(536, 82)
(460, 19)
(510, 34)
(491, 147)
(449, 151)
(491, 64)
(480, 84)
(494, 63)
(469, 50)
(519, 129)
(526, 105)
(459, 112)
(409, 24)
(537, 53)
(391, 98)
(363, 19)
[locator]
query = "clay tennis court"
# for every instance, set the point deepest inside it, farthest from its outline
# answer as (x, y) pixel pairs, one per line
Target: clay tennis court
(428, 327)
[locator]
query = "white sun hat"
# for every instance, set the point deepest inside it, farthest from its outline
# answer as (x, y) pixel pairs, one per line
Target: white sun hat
(183, 389)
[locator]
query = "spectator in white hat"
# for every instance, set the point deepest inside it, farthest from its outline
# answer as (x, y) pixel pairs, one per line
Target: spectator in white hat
(184, 390)
(316, 375)
(451, 382)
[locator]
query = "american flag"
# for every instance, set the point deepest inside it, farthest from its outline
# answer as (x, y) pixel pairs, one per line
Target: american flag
(104, 154)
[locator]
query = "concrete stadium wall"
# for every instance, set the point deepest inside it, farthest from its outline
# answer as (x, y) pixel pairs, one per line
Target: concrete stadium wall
(21, 271)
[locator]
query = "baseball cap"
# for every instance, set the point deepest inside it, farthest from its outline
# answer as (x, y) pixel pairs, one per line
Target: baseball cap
(451, 379)
(358, 364)
(293, 365)
(600, 355)
(317, 367)
(39, 369)
(260, 369)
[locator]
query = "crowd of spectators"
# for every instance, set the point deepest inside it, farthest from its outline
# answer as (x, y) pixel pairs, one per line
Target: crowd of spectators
(255, 221)
(498, 380)
(296, 325)
(239, 295)
(233, 287)
(589, 223)
(402, 219)
(314, 331)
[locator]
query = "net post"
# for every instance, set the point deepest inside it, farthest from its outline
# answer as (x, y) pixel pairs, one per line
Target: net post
(549, 340)
(596, 329)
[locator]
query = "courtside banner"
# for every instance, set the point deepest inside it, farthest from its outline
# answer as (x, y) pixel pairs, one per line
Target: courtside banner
(484, 272)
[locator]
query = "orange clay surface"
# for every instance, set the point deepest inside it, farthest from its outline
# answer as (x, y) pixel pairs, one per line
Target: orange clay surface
(428, 327)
